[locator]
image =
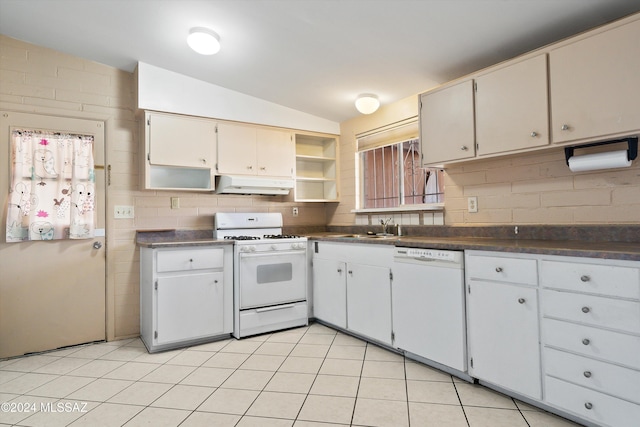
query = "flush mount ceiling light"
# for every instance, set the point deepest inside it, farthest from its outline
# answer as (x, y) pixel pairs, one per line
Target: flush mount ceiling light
(367, 103)
(204, 41)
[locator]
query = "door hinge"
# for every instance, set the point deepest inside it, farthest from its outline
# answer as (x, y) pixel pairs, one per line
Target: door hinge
(149, 121)
(216, 128)
(390, 275)
(155, 334)
(108, 175)
(393, 337)
(469, 288)
(156, 286)
(475, 86)
(471, 362)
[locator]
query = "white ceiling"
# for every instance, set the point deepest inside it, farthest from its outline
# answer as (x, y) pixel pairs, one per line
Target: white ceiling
(315, 56)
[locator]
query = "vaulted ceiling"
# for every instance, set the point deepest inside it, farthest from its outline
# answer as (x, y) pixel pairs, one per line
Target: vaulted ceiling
(315, 56)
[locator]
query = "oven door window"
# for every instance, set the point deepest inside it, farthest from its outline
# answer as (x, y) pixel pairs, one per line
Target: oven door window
(272, 278)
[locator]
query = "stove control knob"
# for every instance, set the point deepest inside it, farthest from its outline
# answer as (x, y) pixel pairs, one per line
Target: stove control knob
(252, 248)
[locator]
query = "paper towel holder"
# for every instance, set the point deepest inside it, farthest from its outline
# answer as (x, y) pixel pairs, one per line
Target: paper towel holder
(632, 147)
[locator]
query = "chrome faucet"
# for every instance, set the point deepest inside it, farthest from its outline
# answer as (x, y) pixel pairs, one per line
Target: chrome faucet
(384, 224)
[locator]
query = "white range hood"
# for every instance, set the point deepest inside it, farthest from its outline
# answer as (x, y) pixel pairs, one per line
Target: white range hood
(238, 184)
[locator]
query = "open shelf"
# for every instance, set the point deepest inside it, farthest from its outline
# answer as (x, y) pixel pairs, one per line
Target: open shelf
(316, 169)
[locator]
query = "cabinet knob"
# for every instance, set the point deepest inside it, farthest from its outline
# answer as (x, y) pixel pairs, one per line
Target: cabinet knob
(521, 300)
(588, 405)
(215, 281)
(534, 134)
(498, 269)
(203, 161)
(586, 309)
(350, 272)
(564, 127)
(464, 148)
(190, 259)
(586, 341)
(587, 374)
(262, 168)
(339, 270)
(585, 278)
(250, 167)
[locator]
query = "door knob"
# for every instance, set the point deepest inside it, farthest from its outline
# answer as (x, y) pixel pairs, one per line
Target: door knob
(97, 245)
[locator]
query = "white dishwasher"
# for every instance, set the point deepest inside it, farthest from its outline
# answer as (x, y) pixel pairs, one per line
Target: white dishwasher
(428, 305)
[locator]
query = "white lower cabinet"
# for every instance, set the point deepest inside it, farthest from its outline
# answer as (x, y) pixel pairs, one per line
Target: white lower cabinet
(502, 322)
(330, 291)
(590, 316)
(352, 287)
(186, 295)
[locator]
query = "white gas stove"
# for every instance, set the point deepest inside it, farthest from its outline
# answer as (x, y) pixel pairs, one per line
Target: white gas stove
(270, 272)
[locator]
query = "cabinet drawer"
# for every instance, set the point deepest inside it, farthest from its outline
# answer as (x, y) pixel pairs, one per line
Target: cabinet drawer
(604, 409)
(189, 259)
(512, 270)
(601, 376)
(597, 279)
(599, 343)
(592, 310)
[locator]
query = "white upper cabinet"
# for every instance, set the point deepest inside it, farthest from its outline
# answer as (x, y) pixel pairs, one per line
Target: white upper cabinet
(251, 150)
(446, 124)
(595, 85)
(512, 107)
(176, 140)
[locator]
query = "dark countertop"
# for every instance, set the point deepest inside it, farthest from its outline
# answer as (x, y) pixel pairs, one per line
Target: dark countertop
(177, 238)
(589, 249)
(600, 248)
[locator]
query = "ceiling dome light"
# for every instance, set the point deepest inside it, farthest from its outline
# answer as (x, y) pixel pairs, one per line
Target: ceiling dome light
(367, 103)
(204, 41)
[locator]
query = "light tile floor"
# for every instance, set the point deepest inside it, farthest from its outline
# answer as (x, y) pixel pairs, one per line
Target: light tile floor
(305, 377)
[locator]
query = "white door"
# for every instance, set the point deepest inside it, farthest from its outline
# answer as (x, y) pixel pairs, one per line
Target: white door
(269, 278)
(503, 336)
(428, 313)
(330, 291)
(369, 301)
(52, 293)
(189, 306)
(275, 153)
(236, 149)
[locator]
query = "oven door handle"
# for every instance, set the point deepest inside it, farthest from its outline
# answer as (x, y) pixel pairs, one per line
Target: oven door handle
(271, 254)
(277, 307)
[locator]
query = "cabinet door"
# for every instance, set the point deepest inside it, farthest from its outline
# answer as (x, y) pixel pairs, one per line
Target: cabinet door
(236, 149)
(503, 336)
(330, 291)
(595, 85)
(275, 153)
(369, 301)
(512, 107)
(446, 124)
(189, 307)
(181, 141)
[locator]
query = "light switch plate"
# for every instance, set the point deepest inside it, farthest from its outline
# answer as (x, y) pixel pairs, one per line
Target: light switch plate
(123, 212)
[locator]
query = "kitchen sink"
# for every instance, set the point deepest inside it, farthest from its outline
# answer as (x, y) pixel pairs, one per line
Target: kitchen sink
(366, 236)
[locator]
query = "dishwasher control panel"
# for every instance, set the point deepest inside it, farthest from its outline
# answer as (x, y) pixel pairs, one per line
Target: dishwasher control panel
(428, 254)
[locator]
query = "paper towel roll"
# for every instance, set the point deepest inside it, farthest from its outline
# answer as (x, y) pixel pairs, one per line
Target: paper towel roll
(590, 162)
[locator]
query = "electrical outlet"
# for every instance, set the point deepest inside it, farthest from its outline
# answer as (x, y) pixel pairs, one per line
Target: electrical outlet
(175, 203)
(122, 212)
(294, 211)
(472, 204)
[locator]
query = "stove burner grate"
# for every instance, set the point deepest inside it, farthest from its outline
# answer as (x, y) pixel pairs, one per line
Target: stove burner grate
(281, 236)
(241, 238)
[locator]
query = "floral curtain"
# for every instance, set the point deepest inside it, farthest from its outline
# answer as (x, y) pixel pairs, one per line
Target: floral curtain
(52, 194)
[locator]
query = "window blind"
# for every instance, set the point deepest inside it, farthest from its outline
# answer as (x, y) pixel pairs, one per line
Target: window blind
(391, 134)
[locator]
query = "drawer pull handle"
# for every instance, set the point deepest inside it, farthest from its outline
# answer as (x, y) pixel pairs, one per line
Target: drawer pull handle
(350, 272)
(588, 405)
(339, 270)
(585, 278)
(498, 269)
(586, 309)
(587, 374)
(521, 300)
(586, 341)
